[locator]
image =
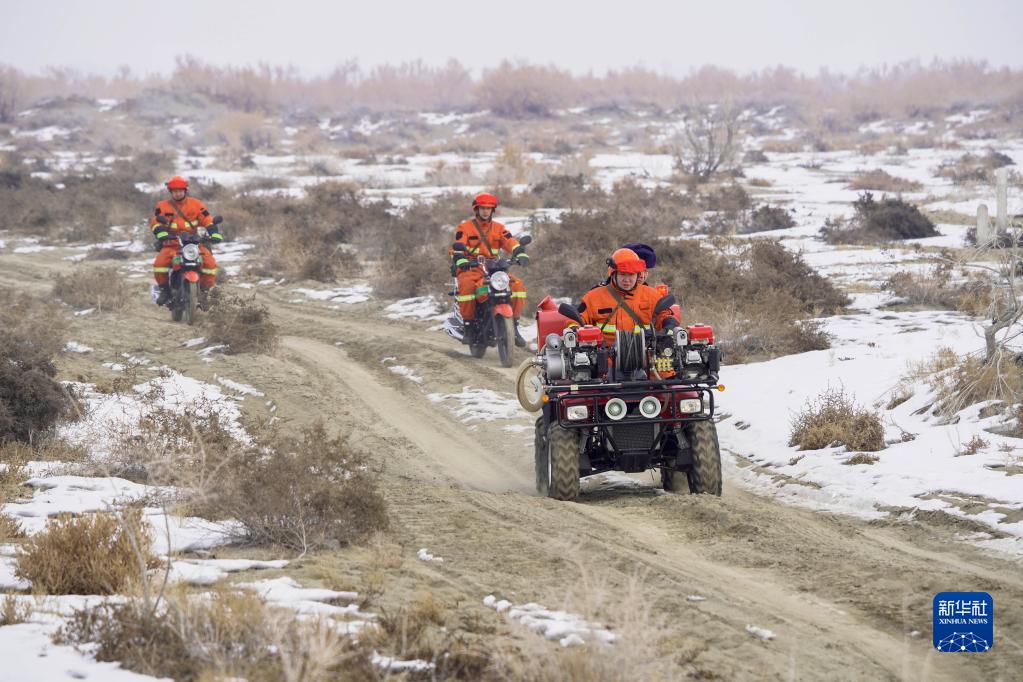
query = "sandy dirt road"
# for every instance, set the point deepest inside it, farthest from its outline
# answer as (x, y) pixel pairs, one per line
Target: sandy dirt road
(846, 599)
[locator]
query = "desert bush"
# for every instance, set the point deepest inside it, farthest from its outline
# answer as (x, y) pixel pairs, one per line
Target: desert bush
(242, 132)
(882, 181)
(755, 156)
(93, 286)
(13, 612)
(242, 325)
(301, 490)
(879, 221)
(414, 260)
(99, 553)
(219, 635)
(108, 253)
(523, 90)
(958, 381)
(708, 143)
(937, 289)
(833, 418)
(973, 167)
(31, 400)
(765, 218)
(83, 210)
(566, 191)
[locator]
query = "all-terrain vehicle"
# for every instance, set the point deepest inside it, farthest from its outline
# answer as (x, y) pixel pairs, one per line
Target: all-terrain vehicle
(646, 402)
(186, 295)
(493, 324)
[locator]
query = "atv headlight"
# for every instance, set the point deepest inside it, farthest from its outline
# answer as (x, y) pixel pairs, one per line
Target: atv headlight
(577, 412)
(650, 407)
(615, 409)
(690, 405)
(499, 281)
(190, 251)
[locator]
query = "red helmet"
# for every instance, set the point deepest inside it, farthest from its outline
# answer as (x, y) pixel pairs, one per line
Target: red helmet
(625, 260)
(177, 182)
(484, 200)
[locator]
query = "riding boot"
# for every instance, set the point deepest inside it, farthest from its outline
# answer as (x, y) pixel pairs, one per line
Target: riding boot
(519, 341)
(165, 295)
(204, 298)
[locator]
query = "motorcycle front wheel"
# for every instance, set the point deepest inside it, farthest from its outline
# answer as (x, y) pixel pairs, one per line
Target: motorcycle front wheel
(503, 334)
(190, 297)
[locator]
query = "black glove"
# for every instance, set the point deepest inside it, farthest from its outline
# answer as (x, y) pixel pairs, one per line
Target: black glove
(522, 259)
(670, 323)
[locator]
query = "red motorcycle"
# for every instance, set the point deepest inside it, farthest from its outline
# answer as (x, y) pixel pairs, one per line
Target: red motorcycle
(644, 402)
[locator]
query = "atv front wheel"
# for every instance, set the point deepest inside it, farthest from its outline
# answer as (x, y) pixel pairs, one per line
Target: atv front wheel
(705, 474)
(477, 350)
(540, 458)
(562, 463)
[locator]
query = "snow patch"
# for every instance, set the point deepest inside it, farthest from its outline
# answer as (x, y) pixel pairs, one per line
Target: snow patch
(569, 629)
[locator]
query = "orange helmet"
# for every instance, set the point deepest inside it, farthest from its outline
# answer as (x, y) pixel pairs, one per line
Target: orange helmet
(177, 182)
(484, 200)
(625, 260)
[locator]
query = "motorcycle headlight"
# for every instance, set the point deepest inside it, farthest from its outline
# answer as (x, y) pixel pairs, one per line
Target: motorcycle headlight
(690, 405)
(190, 251)
(499, 281)
(577, 412)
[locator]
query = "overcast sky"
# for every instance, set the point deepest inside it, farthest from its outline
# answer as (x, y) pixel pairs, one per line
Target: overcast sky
(595, 35)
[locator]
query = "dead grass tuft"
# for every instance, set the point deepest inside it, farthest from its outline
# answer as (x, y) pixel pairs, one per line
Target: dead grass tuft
(959, 381)
(220, 635)
(834, 418)
(937, 289)
(242, 324)
(13, 611)
(93, 286)
(973, 446)
(974, 167)
(100, 553)
(881, 181)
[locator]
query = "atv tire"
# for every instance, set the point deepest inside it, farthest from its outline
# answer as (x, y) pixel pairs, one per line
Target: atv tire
(705, 474)
(540, 457)
(562, 473)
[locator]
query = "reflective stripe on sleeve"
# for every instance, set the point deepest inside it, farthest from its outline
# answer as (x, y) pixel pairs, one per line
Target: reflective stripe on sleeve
(467, 297)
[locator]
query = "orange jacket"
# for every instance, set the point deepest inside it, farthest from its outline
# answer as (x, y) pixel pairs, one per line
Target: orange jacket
(193, 210)
(495, 238)
(599, 306)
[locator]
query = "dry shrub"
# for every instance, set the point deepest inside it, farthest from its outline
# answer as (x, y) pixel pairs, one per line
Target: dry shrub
(242, 132)
(937, 289)
(880, 180)
(13, 612)
(218, 635)
(878, 222)
(973, 446)
(835, 418)
(755, 156)
(974, 167)
(524, 90)
(567, 191)
(31, 400)
(242, 324)
(93, 286)
(83, 210)
(300, 490)
(959, 381)
(10, 528)
(100, 553)
(765, 218)
(108, 253)
(414, 258)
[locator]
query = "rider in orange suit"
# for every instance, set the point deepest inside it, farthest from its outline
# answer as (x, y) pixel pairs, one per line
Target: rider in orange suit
(605, 306)
(484, 236)
(184, 214)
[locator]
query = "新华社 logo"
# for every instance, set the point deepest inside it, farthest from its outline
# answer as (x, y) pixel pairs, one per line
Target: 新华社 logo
(964, 622)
